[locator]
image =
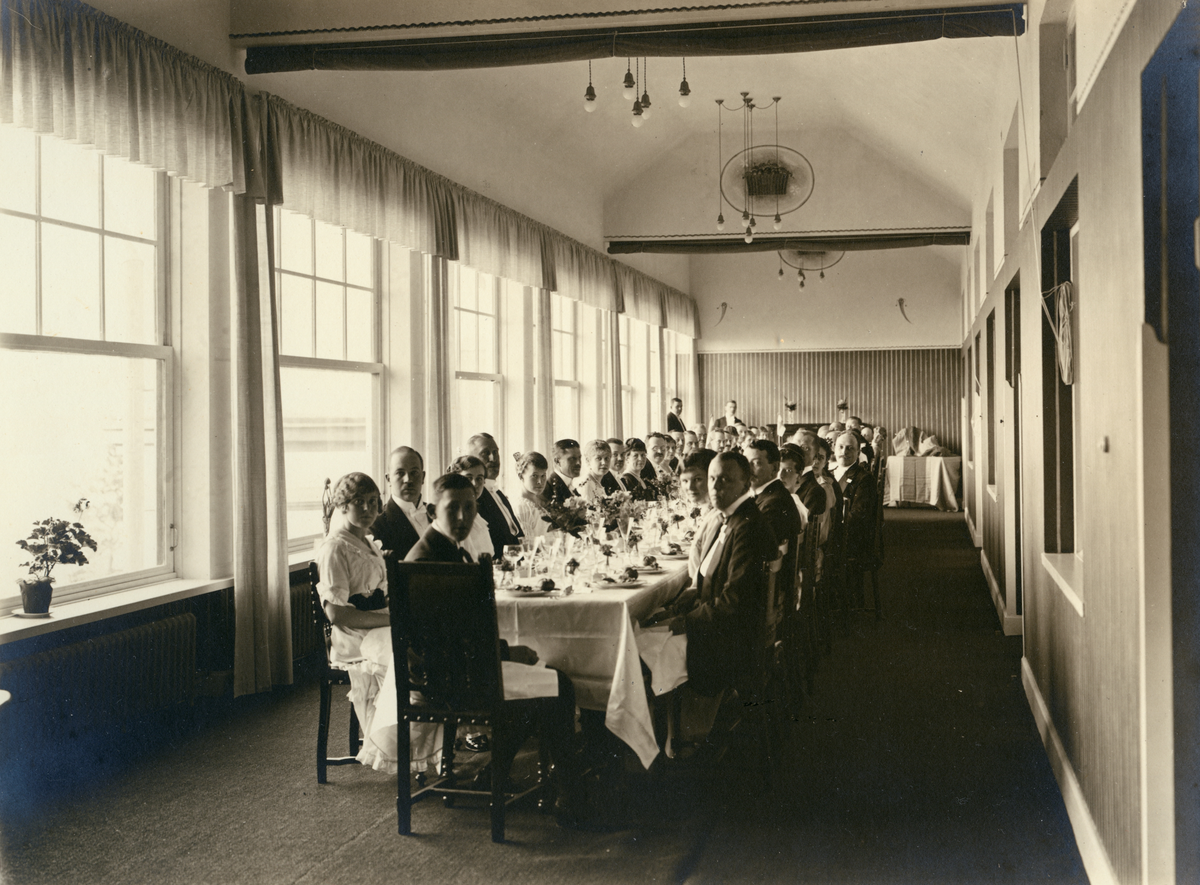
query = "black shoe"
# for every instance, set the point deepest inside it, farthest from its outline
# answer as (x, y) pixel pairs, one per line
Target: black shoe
(474, 743)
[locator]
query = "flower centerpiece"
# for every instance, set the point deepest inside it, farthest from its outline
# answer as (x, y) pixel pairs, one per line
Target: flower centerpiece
(52, 542)
(767, 178)
(843, 410)
(569, 516)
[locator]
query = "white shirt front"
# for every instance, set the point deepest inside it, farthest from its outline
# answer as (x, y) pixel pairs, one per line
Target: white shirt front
(415, 513)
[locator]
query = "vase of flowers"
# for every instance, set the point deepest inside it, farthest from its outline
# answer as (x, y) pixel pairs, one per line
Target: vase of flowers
(51, 542)
(843, 410)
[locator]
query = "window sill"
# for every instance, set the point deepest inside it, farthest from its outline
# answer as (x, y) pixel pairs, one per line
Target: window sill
(111, 605)
(1067, 571)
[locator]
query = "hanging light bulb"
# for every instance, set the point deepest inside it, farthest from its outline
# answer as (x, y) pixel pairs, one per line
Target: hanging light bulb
(780, 273)
(685, 91)
(749, 238)
(778, 223)
(589, 94)
(720, 221)
(646, 105)
(753, 222)
(645, 91)
(628, 85)
(822, 274)
(800, 275)
(639, 118)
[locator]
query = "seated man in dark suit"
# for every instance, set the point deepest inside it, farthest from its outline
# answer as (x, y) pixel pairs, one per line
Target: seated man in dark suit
(774, 501)
(494, 506)
(567, 463)
(724, 612)
(865, 452)
(404, 518)
(808, 490)
(658, 447)
(454, 515)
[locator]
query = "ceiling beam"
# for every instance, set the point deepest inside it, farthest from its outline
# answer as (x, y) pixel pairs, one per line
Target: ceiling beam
(734, 244)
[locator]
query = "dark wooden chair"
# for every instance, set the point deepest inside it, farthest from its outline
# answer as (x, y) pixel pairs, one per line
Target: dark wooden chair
(806, 630)
(331, 674)
(877, 547)
(445, 613)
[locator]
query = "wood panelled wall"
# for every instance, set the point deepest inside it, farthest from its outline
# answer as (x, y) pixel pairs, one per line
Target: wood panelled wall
(895, 388)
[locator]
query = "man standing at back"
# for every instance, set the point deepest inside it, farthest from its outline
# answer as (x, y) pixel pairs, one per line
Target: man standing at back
(674, 421)
(404, 518)
(493, 504)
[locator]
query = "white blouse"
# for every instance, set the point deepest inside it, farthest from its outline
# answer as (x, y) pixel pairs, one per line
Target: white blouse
(348, 565)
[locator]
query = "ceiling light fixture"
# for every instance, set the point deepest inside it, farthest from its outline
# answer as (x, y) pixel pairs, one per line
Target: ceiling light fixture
(645, 90)
(639, 114)
(808, 261)
(770, 180)
(628, 85)
(589, 95)
(685, 91)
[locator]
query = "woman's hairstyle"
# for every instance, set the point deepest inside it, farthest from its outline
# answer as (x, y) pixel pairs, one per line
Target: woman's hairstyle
(698, 460)
(351, 486)
(536, 460)
(596, 447)
(633, 444)
(465, 462)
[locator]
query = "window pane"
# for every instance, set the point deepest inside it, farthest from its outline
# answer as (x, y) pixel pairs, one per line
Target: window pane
(566, 412)
(70, 282)
(70, 182)
(359, 259)
(360, 330)
(129, 291)
(295, 232)
(475, 409)
(487, 293)
(18, 148)
(296, 316)
(104, 447)
(467, 284)
(329, 322)
(18, 298)
(128, 198)
(327, 433)
(468, 357)
(329, 252)
(487, 344)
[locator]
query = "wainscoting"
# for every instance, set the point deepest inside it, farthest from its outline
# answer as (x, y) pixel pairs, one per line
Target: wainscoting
(895, 388)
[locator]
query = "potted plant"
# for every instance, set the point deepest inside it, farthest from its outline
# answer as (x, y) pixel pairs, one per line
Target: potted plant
(52, 541)
(767, 178)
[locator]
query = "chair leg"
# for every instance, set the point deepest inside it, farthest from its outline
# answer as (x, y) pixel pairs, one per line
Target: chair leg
(355, 740)
(323, 730)
(403, 779)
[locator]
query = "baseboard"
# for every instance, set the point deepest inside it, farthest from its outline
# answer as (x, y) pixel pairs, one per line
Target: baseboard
(1013, 625)
(976, 538)
(1087, 838)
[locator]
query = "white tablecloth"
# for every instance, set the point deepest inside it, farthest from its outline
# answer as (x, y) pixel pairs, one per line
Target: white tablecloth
(924, 480)
(590, 636)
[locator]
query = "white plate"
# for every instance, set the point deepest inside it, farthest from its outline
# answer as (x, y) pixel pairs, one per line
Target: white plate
(671, 556)
(529, 594)
(615, 585)
(644, 570)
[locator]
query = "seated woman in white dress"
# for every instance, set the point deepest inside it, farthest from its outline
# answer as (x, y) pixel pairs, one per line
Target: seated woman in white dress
(532, 468)
(479, 542)
(353, 592)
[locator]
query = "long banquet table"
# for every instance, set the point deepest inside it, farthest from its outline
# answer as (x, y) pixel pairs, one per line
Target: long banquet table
(590, 636)
(925, 479)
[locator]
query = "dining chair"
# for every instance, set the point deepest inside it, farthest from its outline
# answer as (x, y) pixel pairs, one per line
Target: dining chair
(805, 649)
(877, 539)
(445, 615)
(331, 674)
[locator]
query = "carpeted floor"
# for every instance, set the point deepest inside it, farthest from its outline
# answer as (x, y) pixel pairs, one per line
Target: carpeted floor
(916, 761)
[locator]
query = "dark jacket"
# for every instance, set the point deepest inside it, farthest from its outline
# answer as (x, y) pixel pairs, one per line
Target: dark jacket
(725, 626)
(393, 530)
(811, 495)
(489, 508)
(556, 490)
(436, 547)
(674, 423)
(858, 514)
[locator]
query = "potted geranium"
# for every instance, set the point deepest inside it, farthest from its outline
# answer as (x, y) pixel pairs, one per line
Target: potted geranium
(767, 178)
(52, 542)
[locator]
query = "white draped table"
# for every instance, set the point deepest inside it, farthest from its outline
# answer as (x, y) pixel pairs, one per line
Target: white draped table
(924, 480)
(590, 636)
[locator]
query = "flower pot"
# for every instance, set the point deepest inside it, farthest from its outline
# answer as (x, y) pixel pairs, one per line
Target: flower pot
(767, 184)
(35, 596)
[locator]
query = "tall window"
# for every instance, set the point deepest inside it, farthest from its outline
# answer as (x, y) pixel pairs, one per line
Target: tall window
(564, 320)
(329, 368)
(626, 376)
(478, 384)
(87, 369)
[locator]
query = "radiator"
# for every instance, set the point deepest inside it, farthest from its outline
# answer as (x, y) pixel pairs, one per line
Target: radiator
(114, 678)
(307, 637)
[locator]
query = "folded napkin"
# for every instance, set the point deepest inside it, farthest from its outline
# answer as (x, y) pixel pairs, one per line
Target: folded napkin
(523, 681)
(665, 653)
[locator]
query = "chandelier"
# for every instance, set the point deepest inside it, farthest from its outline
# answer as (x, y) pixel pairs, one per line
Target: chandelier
(760, 180)
(807, 261)
(636, 78)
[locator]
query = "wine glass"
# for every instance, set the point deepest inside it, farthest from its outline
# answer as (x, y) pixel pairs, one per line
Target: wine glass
(512, 555)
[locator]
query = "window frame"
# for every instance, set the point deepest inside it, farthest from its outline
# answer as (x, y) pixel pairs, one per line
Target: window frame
(496, 284)
(162, 352)
(571, 307)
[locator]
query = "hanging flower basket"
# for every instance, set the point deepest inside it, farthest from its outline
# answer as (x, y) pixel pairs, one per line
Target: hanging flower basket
(767, 179)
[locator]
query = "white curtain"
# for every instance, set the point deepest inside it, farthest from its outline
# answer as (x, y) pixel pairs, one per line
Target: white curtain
(498, 241)
(69, 70)
(337, 176)
(640, 294)
(680, 314)
(586, 275)
(544, 400)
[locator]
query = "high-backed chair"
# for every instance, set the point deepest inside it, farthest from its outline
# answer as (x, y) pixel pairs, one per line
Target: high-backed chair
(331, 674)
(877, 545)
(806, 631)
(445, 614)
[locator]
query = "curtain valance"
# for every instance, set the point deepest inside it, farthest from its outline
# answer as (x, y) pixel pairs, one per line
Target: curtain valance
(83, 76)
(641, 294)
(680, 313)
(337, 176)
(496, 240)
(586, 275)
